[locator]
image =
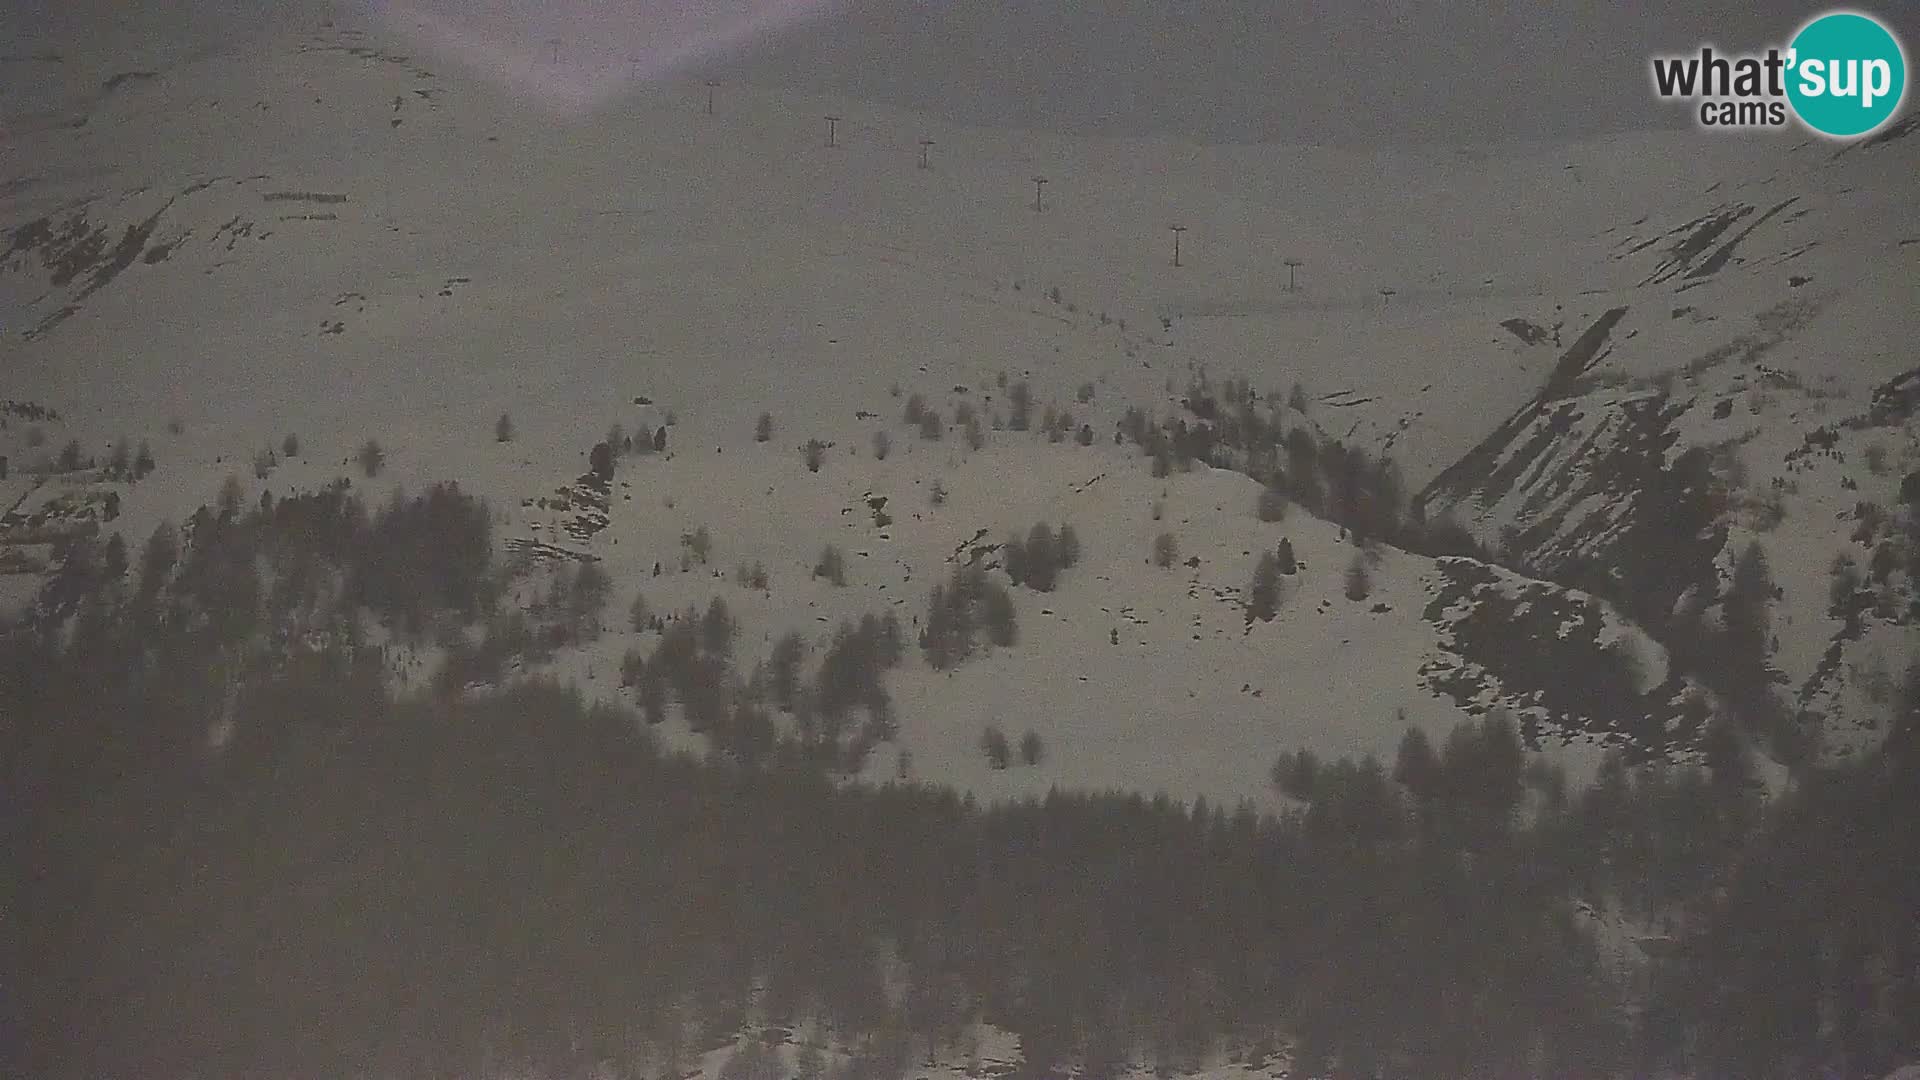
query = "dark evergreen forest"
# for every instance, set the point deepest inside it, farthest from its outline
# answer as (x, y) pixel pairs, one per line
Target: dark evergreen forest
(360, 882)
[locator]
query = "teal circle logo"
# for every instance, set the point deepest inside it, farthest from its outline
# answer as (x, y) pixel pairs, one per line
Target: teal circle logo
(1846, 74)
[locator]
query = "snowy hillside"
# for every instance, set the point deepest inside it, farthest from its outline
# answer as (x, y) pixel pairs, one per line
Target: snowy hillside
(1454, 618)
(322, 231)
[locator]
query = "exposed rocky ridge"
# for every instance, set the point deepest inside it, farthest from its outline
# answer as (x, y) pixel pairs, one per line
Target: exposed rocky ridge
(1586, 487)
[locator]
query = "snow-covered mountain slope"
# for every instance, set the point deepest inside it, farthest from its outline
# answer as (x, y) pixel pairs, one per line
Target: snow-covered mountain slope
(319, 229)
(1750, 385)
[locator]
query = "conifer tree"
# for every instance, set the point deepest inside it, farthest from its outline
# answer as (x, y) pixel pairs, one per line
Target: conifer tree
(1013, 559)
(717, 628)
(1019, 406)
(1263, 598)
(832, 566)
(1042, 560)
(993, 743)
(1359, 583)
(1166, 550)
(999, 617)
(1067, 546)
(1031, 748)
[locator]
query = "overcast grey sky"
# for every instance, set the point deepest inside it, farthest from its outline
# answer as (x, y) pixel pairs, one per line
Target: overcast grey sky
(1365, 71)
(1319, 70)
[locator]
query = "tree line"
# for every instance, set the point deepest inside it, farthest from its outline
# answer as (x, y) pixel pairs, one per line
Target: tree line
(353, 882)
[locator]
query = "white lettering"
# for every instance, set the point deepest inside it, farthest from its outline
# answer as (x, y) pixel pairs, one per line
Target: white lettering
(1813, 77)
(1878, 81)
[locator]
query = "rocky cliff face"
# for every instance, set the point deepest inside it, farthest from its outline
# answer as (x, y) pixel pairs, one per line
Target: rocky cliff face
(1592, 486)
(1767, 406)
